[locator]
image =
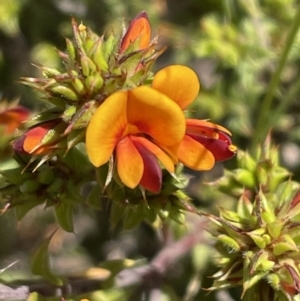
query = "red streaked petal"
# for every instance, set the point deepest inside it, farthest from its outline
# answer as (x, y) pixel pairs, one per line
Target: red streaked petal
(179, 83)
(157, 115)
(152, 176)
(195, 125)
(155, 150)
(139, 28)
(106, 128)
(194, 155)
(220, 148)
(130, 165)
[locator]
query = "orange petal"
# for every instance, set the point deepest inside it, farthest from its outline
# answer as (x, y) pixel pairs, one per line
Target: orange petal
(36, 134)
(139, 28)
(158, 152)
(106, 128)
(194, 155)
(179, 83)
(12, 118)
(156, 115)
(129, 163)
(195, 125)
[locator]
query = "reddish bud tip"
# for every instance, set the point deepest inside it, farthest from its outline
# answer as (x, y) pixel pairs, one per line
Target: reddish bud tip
(139, 28)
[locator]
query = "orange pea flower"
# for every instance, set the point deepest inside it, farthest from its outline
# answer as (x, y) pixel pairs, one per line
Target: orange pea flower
(139, 28)
(40, 139)
(140, 127)
(11, 118)
(204, 142)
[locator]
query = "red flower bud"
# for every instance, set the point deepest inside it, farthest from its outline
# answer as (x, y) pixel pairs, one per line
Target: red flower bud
(139, 28)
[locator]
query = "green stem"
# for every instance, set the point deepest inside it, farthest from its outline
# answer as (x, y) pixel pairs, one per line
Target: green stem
(261, 129)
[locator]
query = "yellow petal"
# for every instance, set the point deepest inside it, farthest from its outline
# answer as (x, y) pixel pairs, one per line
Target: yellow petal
(106, 128)
(157, 152)
(129, 163)
(179, 83)
(156, 115)
(194, 155)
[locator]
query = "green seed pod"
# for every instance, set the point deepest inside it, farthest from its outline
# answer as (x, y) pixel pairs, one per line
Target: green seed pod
(65, 92)
(29, 186)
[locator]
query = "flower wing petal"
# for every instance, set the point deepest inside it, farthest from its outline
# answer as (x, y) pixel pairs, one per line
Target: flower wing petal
(194, 155)
(156, 151)
(179, 83)
(156, 115)
(221, 148)
(195, 125)
(129, 163)
(106, 128)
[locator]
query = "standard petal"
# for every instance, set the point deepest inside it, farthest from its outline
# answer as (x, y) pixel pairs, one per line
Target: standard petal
(152, 175)
(179, 83)
(194, 155)
(156, 115)
(194, 126)
(222, 149)
(156, 151)
(130, 165)
(106, 128)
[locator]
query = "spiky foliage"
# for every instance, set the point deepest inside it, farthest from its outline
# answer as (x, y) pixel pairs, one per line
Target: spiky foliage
(258, 243)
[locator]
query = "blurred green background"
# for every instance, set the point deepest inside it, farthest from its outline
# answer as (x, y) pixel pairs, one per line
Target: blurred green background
(233, 45)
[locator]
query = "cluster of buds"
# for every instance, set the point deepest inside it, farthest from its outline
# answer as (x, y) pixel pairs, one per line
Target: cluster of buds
(94, 68)
(258, 244)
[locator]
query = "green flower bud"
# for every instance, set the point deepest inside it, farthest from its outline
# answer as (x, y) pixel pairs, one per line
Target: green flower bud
(286, 244)
(244, 177)
(78, 85)
(71, 50)
(275, 228)
(46, 175)
(29, 186)
(98, 55)
(87, 65)
(229, 242)
(65, 92)
(56, 186)
(94, 83)
(274, 281)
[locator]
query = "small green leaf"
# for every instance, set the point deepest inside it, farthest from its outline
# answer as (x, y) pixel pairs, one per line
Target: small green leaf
(40, 265)
(64, 215)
